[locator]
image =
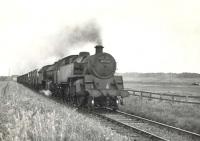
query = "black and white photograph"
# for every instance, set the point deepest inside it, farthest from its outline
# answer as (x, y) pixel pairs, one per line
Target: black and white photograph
(99, 70)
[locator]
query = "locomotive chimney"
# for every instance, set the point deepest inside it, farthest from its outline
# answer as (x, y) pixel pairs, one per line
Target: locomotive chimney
(99, 49)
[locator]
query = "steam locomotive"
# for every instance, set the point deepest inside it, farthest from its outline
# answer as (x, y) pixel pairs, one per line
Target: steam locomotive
(82, 80)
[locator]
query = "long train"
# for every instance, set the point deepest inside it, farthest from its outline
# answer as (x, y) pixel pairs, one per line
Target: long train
(82, 80)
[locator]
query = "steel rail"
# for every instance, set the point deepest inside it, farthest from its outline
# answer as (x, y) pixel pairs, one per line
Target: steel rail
(161, 124)
(137, 130)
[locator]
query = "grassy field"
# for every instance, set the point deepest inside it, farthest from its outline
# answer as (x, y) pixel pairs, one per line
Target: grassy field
(165, 83)
(171, 88)
(186, 116)
(25, 115)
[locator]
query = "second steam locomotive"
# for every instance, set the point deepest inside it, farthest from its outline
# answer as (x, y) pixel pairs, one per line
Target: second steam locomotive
(82, 80)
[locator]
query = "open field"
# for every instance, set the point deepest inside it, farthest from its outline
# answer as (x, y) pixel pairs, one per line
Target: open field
(186, 116)
(170, 88)
(164, 83)
(25, 115)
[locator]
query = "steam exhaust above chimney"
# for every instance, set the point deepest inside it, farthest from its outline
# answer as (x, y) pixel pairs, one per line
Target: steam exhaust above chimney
(99, 49)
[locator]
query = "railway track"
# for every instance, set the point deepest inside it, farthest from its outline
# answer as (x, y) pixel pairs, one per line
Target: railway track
(153, 130)
(181, 131)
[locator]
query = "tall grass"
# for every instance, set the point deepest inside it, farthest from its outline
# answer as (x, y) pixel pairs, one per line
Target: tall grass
(25, 115)
(185, 116)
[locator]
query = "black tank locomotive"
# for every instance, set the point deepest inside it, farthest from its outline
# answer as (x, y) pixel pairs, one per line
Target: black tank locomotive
(82, 80)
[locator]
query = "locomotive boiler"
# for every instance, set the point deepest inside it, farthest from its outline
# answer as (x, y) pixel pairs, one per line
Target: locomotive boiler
(83, 80)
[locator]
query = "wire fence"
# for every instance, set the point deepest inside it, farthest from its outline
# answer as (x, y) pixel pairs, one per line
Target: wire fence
(166, 97)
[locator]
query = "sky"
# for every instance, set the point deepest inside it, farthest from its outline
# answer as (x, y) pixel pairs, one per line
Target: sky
(142, 35)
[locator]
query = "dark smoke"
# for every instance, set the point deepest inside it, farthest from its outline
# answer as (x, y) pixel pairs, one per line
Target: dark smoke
(88, 33)
(75, 37)
(59, 45)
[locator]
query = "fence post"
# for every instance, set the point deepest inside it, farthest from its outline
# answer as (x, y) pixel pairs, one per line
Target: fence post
(160, 97)
(150, 96)
(172, 99)
(141, 95)
(134, 93)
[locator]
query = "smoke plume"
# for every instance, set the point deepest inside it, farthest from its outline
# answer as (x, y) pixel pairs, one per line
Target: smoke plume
(59, 45)
(73, 37)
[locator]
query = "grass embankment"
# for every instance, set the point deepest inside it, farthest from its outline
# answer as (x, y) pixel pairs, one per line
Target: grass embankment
(185, 116)
(25, 115)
